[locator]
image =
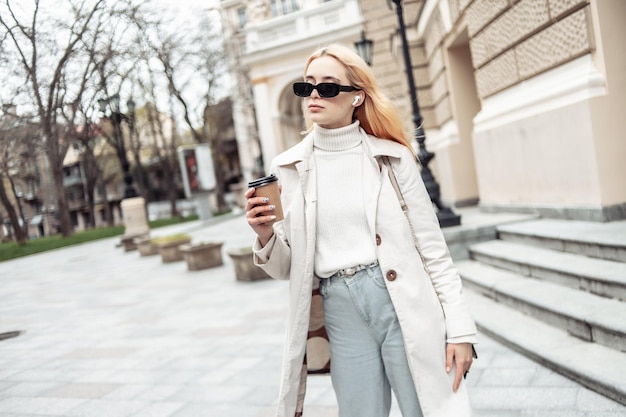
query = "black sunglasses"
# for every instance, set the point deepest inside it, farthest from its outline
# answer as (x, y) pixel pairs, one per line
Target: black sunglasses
(325, 90)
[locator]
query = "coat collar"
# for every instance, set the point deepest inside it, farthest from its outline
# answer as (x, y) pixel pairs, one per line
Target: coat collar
(374, 147)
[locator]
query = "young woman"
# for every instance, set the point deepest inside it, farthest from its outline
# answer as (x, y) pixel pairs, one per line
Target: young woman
(396, 319)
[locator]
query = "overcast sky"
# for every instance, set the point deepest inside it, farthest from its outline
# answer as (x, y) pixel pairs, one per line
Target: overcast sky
(182, 12)
(189, 7)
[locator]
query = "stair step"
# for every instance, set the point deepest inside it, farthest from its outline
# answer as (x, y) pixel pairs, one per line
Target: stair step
(596, 276)
(587, 316)
(598, 240)
(594, 366)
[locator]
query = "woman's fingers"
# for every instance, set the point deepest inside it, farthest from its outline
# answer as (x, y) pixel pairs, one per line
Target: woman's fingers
(261, 220)
(249, 192)
(258, 212)
(461, 354)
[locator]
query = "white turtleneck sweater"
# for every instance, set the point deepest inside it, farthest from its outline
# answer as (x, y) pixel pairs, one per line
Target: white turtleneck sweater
(343, 237)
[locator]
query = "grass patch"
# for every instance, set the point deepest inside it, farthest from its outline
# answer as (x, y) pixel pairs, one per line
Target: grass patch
(168, 222)
(11, 250)
(171, 238)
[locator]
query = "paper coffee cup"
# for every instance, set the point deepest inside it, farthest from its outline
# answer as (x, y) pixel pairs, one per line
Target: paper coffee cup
(268, 187)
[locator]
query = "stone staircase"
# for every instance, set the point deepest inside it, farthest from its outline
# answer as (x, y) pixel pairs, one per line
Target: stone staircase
(555, 290)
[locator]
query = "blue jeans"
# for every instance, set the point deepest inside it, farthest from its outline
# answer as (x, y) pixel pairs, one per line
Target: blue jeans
(368, 359)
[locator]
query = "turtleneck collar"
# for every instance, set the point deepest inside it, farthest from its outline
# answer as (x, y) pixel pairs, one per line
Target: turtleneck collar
(338, 139)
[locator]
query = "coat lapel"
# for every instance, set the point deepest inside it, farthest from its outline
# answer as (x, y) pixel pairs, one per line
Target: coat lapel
(308, 182)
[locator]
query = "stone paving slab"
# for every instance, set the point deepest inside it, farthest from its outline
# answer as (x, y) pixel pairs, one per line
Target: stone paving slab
(110, 333)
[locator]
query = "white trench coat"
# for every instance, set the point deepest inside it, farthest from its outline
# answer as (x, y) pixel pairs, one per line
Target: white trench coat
(427, 296)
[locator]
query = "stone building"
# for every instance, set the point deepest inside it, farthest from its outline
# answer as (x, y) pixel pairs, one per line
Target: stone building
(521, 99)
(26, 177)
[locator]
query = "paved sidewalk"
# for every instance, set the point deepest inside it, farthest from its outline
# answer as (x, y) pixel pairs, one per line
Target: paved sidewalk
(112, 334)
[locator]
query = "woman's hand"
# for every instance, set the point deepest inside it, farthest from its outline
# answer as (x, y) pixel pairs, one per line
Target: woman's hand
(261, 223)
(461, 354)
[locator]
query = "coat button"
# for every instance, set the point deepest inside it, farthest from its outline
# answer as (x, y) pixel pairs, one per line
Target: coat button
(378, 239)
(391, 275)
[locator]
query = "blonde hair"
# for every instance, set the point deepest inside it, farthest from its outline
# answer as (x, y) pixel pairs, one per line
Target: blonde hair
(377, 115)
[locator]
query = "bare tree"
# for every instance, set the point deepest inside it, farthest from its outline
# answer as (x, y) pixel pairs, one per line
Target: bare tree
(61, 62)
(59, 55)
(18, 150)
(86, 144)
(164, 151)
(152, 141)
(20, 235)
(6, 150)
(36, 42)
(192, 61)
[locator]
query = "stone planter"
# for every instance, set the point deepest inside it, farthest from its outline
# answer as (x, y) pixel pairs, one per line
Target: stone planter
(245, 269)
(202, 255)
(129, 242)
(169, 248)
(146, 247)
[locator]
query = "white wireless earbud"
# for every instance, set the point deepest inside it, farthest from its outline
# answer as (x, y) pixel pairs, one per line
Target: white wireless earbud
(356, 100)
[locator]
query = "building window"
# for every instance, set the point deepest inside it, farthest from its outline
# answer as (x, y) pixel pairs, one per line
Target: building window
(281, 7)
(241, 16)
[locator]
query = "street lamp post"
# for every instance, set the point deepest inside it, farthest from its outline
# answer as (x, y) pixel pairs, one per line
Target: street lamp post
(133, 207)
(116, 118)
(445, 215)
(364, 48)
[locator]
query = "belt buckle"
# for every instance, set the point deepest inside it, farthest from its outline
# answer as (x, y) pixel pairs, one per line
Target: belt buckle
(350, 271)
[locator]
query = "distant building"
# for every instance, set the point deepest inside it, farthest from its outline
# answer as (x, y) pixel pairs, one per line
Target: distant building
(108, 191)
(222, 134)
(522, 100)
(26, 178)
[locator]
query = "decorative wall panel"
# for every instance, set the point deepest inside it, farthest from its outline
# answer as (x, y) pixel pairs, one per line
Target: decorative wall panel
(455, 12)
(425, 98)
(481, 12)
(434, 33)
(480, 50)
(557, 7)
(442, 111)
(566, 39)
(439, 87)
(429, 118)
(418, 54)
(435, 66)
(517, 23)
(463, 4)
(422, 80)
(497, 75)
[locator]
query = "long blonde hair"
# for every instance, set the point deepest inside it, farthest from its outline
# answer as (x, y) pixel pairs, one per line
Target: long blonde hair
(377, 115)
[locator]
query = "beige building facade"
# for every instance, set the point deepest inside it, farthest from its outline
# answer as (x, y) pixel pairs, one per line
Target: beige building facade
(274, 40)
(522, 100)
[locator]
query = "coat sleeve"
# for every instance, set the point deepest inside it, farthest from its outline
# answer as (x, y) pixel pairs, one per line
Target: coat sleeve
(275, 257)
(434, 250)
